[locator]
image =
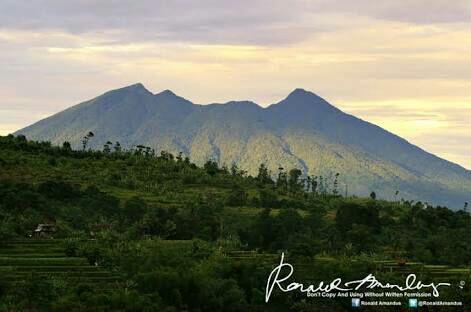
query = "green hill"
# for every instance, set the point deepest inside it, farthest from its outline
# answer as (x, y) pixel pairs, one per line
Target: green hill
(168, 235)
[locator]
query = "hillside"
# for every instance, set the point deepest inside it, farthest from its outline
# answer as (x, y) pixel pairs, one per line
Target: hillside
(170, 229)
(138, 231)
(302, 131)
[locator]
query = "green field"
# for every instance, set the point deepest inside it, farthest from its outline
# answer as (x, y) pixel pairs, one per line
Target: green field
(22, 259)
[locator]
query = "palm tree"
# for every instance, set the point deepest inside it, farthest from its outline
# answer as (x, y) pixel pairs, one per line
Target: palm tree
(395, 195)
(86, 139)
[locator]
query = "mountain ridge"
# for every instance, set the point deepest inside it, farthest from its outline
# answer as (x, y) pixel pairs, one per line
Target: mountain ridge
(303, 130)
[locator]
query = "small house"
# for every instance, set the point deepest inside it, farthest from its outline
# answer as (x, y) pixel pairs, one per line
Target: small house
(44, 230)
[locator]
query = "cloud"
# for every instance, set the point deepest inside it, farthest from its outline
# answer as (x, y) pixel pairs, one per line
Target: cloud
(261, 22)
(402, 65)
(411, 11)
(438, 126)
(258, 22)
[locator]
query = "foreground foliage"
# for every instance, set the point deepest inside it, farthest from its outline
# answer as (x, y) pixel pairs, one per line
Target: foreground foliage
(185, 238)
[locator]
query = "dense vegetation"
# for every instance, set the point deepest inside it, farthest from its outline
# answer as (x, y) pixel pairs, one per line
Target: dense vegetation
(186, 238)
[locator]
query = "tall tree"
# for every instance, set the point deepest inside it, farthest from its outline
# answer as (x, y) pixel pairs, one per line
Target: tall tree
(293, 181)
(263, 176)
(282, 181)
(86, 139)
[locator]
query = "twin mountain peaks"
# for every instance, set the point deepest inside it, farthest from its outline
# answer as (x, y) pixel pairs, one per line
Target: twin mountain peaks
(302, 131)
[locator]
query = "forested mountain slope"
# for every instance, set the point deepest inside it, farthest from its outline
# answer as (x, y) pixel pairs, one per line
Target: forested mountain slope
(302, 131)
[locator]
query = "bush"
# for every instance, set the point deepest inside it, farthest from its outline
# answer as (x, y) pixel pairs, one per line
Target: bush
(237, 197)
(71, 247)
(91, 251)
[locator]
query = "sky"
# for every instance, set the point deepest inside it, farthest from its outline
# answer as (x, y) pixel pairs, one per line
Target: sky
(403, 65)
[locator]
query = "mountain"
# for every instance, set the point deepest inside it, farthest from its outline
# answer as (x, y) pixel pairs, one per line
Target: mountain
(302, 131)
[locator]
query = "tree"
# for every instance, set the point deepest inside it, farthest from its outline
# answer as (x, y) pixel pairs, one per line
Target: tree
(237, 197)
(282, 181)
(107, 147)
(293, 181)
(308, 186)
(373, 195)
(314, 185)
(117, 147)
(66, 146)
(322, 186)
(352, 213)
(86, 139)
(264, 228)
(268, 198)
(234, 170)
(336, 184)
(211, 167)
(134, 209)
(288, 222)
(263, 176)
(139, 149)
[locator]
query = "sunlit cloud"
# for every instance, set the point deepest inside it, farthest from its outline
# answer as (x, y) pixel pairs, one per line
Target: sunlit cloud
(405, 68)
(440, 126)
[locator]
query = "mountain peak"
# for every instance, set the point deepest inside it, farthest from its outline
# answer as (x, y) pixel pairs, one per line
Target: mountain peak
(167, 92)
(134, 88)
(169, 97)
(137, 85)
(300, 93)
(242, 103)
(302, 101)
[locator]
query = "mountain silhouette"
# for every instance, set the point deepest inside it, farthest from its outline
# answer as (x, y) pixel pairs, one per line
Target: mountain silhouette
(302, 131)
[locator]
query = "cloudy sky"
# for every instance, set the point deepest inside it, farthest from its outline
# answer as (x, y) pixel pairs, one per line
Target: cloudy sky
(404, 65)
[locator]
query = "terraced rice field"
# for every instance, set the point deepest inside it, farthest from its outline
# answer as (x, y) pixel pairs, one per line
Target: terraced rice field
(435, 271)
(45, 258)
